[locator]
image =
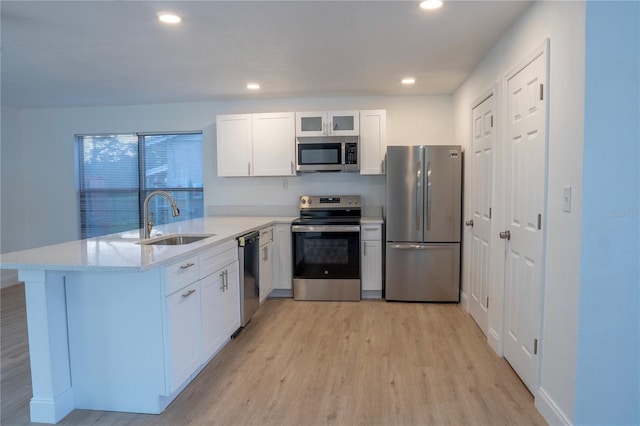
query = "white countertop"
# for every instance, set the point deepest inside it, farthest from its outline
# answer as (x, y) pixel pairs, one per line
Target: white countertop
(120, 252)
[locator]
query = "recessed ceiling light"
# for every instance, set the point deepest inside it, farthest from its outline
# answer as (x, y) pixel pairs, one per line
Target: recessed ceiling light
(408, 80)
(431, 4)
(169, 18)
(253, 86)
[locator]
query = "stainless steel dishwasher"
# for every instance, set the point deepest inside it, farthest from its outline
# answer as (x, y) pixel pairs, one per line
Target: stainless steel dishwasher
(249, 257)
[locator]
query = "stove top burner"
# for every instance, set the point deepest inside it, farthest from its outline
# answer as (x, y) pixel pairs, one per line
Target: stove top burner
(329, 210)
(327, 221)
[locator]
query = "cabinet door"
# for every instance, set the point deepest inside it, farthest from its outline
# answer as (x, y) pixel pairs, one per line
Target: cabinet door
(343, 123)
(274, 144)
(183, 312)
(282, 257)
(234, 144)
(230, 301)
(373, 142)
(371, 265)
(209, 299)
(311, 123)
(266, 271)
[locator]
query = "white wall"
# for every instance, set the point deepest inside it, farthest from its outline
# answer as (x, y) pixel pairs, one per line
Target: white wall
(564, 24)
(608, 366)
(46, 136)
(12, 218)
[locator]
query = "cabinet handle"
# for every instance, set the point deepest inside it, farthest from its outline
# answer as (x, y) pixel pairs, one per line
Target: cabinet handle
(292, 167)
(370, 229)
(188, 293)
(187, 266)
(222, 280)
(365, 248)
(226, 280)
(381, 166)
(249, 169)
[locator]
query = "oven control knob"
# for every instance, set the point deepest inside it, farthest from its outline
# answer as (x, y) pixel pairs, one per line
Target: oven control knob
(310, 201)
(304, 201)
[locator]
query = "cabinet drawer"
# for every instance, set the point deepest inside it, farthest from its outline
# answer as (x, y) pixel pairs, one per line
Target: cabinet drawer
(266, 235)
(371, 232)
(180, 274)
(217, 257)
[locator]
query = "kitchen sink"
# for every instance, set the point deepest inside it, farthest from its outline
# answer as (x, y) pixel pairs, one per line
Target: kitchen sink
(175, 240)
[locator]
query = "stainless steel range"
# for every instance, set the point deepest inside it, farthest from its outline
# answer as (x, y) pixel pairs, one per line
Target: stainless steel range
(326, 248)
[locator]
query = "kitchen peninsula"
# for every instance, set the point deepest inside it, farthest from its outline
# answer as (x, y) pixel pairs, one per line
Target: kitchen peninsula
(122, 326)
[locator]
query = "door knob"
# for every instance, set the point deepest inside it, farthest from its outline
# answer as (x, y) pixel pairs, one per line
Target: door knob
(505, 235)
(469, 223)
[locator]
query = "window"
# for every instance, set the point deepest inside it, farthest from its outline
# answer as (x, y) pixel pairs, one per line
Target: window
(117, 172)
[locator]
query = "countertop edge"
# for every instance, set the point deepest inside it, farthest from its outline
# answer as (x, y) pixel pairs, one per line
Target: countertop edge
(182, 251)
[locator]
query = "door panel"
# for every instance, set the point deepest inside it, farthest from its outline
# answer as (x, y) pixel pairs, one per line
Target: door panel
(442, 197)
(423, 272)
(481, 200)
(405, 221)
(526, 180)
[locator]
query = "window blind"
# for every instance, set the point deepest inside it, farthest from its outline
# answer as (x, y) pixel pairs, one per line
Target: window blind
(116, 173)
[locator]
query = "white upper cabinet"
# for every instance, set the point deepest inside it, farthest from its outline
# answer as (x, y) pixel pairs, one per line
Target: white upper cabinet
(327, 123)
(234, 140)
(373, 141)
(274, 144)
(256, 144)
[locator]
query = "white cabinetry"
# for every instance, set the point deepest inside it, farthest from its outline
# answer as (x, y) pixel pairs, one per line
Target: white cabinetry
(373, 141)
(266, 262)
(256, 144)
(282, 259)
(203, 309)
(371, 252)
(183, 321)
(230, 300)
(234, 137)
(220, 266)
(183, 315)
(327, 123)
(274, 144)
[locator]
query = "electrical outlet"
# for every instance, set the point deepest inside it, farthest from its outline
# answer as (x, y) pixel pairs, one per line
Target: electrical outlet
(566, 199)
(285, 184)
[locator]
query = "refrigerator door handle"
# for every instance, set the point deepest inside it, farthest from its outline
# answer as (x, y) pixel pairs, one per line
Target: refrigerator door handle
(428, 211)
(418, 194)
(420, 247)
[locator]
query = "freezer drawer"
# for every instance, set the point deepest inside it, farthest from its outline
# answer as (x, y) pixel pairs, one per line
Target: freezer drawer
(423, 272)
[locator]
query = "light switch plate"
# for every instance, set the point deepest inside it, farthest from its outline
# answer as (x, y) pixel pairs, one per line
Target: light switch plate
(566, 199)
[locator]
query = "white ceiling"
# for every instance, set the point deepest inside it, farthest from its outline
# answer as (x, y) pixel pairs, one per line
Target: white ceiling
(91, 53)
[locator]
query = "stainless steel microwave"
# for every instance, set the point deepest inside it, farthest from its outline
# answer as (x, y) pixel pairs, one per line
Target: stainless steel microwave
(337, 154)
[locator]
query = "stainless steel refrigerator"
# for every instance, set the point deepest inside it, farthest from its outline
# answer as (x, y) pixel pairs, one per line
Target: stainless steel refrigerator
(424, 213)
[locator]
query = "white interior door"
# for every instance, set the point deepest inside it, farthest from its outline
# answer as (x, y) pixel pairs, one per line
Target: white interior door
(480, 222)
(525, 201)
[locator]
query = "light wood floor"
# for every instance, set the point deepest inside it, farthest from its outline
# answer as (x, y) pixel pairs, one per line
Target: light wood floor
(312, 363)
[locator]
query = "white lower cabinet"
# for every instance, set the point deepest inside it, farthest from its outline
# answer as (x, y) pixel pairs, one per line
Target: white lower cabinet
(230, 300)
(266, 263)
(371, 257)
(282, 258)
(183, 318)
(202, 315)
(211, 331)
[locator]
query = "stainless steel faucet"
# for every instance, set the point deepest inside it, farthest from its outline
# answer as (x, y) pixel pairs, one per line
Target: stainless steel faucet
(148, 223)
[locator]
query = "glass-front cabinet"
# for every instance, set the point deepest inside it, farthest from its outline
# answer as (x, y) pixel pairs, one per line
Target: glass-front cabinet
(327, 123)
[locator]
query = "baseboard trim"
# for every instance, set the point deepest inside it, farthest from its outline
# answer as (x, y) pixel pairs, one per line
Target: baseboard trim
(45, 410)
(371, 294)
(550, 410)
(281, 292)
(464, 301)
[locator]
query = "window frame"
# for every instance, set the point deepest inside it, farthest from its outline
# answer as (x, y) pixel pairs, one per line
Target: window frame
(141, 190)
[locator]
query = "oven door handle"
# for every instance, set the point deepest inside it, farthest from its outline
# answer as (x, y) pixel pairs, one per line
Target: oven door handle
(325, 228)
